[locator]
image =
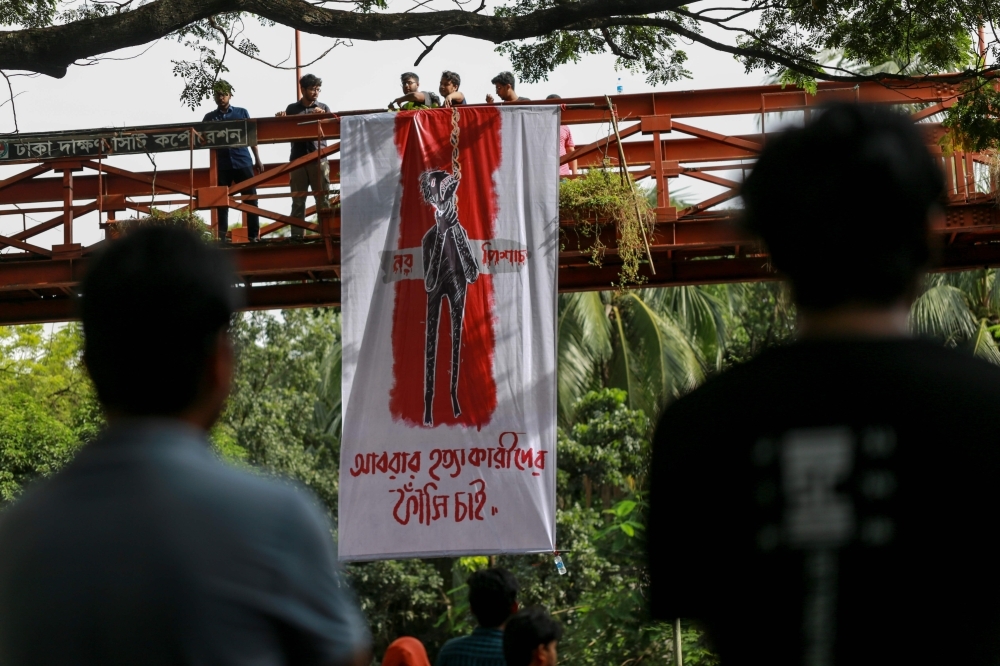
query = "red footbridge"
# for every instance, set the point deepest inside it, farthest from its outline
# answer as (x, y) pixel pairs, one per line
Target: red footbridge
(71, 179)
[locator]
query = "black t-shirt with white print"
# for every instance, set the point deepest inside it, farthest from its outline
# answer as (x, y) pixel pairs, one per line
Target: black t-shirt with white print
(833, 502)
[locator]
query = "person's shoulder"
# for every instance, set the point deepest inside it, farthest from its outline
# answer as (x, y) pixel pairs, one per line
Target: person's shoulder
(211, 115)
(293, 108)
(323, 106)
(240, 112)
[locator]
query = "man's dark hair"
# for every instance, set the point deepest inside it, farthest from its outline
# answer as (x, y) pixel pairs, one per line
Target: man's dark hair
(553, 96)
(310, 81)
(153, 304)
(843, 206)
(452, 78)
(492, 592)
(503, 79)
(409, 75)
(524, 632)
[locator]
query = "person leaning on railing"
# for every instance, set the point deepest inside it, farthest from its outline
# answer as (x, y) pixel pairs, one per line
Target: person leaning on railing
(412, 97)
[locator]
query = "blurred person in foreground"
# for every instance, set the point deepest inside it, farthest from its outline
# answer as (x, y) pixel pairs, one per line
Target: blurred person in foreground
(406, 651)
(531, 638)
(838, 493)
(146, 548)
(492, 600)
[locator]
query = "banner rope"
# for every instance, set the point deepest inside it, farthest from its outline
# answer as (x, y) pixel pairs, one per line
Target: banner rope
(456, 168)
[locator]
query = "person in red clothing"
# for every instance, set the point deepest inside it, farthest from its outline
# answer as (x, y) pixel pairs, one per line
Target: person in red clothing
(566, 145)
(406, 651)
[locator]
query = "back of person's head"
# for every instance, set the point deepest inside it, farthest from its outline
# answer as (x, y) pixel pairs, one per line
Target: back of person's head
(843, 205)
(310, 81)
(530, 629)
(504, 79)
(406, 651)
(452, 78)
(492, 596)
(153, 305)
(553, 96)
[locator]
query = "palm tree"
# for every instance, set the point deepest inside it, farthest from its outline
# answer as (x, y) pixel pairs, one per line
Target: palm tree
(961, 309)
(653, 343)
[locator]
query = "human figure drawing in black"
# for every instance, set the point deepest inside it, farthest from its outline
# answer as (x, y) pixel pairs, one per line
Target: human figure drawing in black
(449, 269)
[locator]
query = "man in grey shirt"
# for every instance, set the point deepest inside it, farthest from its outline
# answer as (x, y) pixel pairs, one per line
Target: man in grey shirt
(147, 548)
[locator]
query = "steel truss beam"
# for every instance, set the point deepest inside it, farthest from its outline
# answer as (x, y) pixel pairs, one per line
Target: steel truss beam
(696, 245)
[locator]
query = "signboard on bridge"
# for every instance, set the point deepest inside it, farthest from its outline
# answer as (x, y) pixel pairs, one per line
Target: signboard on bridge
(449, 250)
(127, 140)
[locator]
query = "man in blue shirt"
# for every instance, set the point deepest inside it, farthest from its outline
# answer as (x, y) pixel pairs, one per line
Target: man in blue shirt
(492, 600)
(147, 548)
(234, 164)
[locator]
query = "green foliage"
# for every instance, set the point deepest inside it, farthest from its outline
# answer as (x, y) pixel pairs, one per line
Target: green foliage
(268, 421)
(642, 49)
(605, 196)
(654, 344)
(961, 310)
(27, 13)
(403, 598)
(181, 218)
(972, 121)
(763, 316)
(607, 447)
(47, 404)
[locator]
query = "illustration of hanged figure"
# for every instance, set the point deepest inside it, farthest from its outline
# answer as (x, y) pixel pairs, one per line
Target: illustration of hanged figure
(449, 268)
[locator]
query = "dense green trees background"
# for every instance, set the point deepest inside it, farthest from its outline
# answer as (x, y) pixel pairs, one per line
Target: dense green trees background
(622, 357)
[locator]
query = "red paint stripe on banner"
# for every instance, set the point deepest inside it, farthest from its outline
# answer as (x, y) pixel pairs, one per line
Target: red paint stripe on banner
(423, 358)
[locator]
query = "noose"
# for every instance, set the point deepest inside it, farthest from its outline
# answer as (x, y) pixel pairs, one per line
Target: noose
(456, 168)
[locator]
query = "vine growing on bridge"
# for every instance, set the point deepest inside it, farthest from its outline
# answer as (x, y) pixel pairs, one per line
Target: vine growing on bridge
(595, 202)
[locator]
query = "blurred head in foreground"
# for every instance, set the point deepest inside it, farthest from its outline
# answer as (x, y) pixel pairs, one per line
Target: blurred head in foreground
(530, 638)
(844, 205)
(492, 596)
(156, 308)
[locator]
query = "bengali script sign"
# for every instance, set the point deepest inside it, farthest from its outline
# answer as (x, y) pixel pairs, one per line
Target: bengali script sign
(449, 354)
(96, 143)
(494, 256)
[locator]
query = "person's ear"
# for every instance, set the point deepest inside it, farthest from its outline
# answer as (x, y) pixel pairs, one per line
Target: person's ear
(514, 607)
(541, 656)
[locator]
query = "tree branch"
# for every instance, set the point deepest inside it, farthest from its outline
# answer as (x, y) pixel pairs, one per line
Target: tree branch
(614, 47)
(804, 67)
(51, 50)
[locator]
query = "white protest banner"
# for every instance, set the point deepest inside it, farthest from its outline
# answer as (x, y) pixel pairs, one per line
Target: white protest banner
(449, 247)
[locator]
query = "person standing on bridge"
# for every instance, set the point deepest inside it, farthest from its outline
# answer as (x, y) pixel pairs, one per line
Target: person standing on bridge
(234, 164)
(147, 548)
(566, 145)
(838, 494)
(315, 174)
(504, 83)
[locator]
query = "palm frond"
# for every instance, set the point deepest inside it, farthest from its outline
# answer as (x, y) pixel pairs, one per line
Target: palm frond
(943, 312)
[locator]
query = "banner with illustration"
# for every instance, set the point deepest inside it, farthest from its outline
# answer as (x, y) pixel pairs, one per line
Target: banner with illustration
(449, 247)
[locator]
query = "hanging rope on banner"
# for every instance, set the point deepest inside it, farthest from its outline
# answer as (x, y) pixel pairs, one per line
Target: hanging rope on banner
(456, 168)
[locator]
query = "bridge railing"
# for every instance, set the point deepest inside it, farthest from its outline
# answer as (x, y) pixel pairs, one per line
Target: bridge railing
(666, 138)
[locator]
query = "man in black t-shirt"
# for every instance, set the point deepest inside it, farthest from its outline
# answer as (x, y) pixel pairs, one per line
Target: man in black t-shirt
(832, 501)
(315, 175)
